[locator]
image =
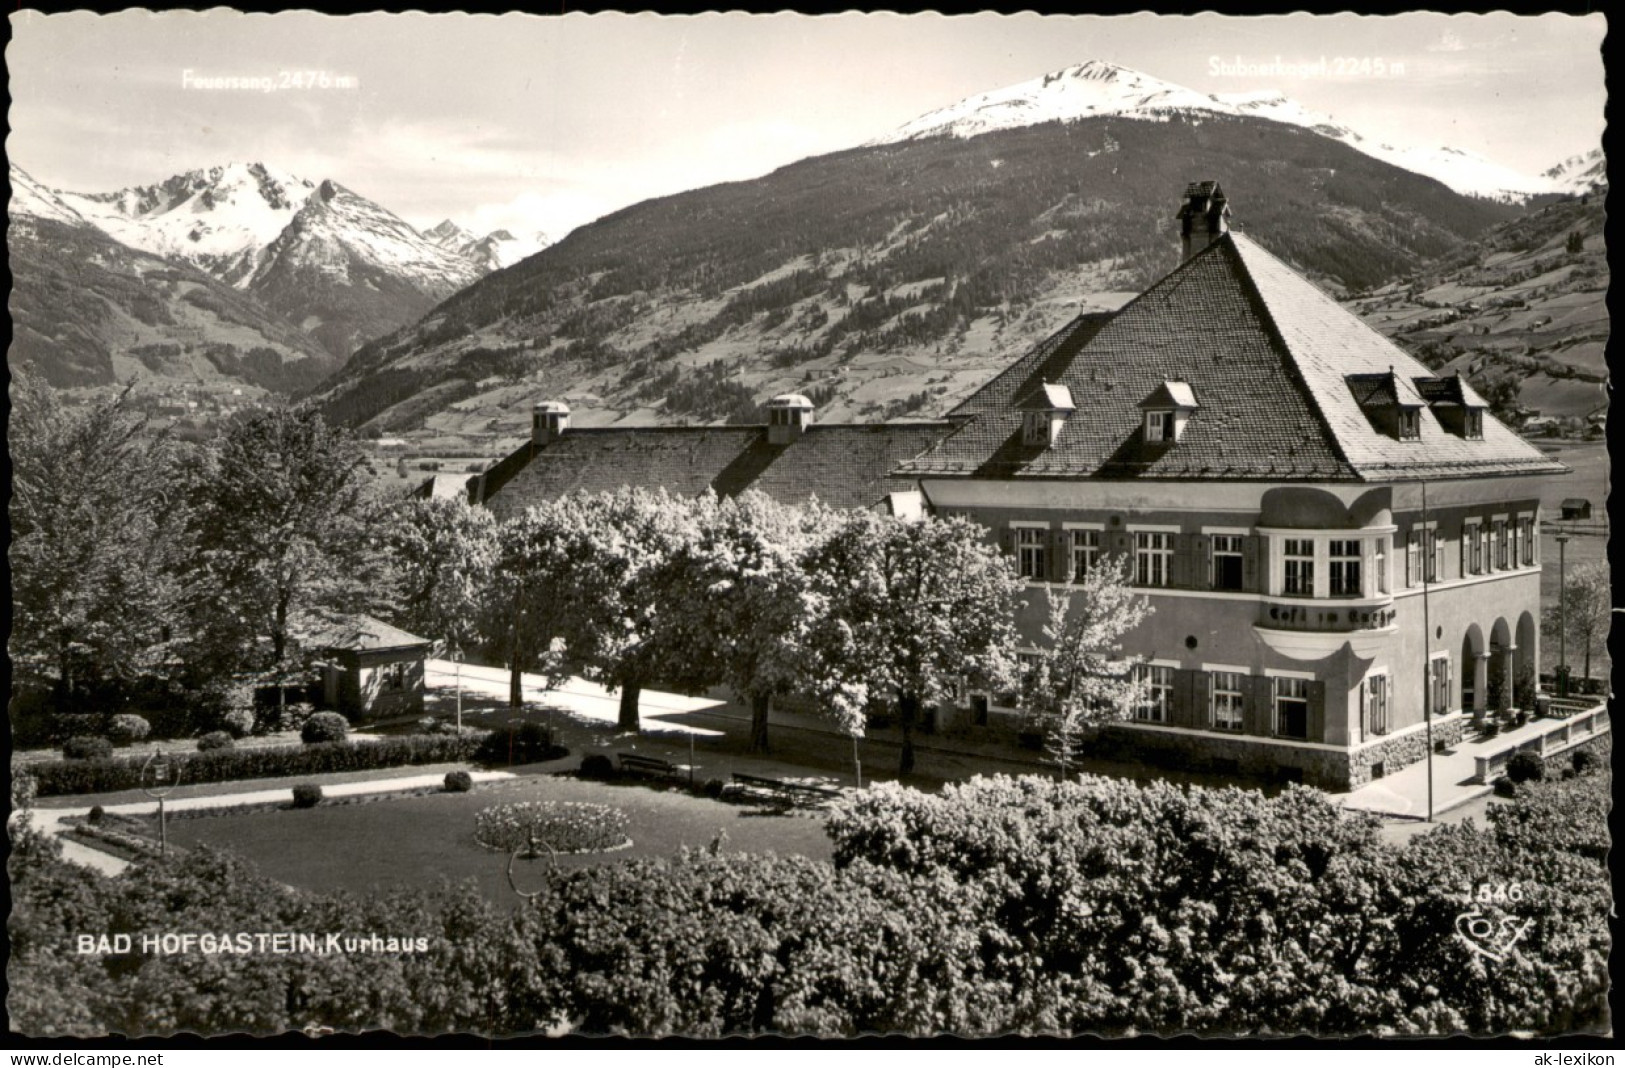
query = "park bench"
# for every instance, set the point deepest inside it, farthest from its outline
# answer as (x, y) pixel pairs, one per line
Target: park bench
(784, 793)
(646, 765)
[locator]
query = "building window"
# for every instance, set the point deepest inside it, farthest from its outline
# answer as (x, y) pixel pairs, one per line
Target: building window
(1159, 692)
(1475, 423)
(1030, 552)
(1153, 558)
(1159, 426)
(1526, 538)
(1433, 559)
(1410, 424)
(1376, 704)
(1379, 559)
(1413, 557)
(1439, 685)
(1345, 568)
(392, 677)
(1292, 708)
(1226, 563)
(1473, 545)
(1227, 691)
(1085, 552)
(1300, 567)
(1500, 539)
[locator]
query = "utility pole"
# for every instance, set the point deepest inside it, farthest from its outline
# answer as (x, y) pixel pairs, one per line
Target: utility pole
(1562, 613)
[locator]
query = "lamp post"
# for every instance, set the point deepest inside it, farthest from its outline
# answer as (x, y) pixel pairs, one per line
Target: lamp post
(1562, 613)
(1429, 555)
(163, 775)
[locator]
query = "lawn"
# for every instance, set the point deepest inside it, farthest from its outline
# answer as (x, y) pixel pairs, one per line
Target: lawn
(415, 841)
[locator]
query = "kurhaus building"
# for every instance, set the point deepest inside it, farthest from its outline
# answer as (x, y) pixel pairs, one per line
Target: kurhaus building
(1333, 538)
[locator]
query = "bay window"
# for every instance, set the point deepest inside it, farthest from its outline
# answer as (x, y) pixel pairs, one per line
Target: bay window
(1299, 558)
(1345, 568)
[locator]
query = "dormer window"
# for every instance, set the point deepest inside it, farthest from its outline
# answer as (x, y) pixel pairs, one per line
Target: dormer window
(1410, 424)
(1044, 413)
(1167, 410)
(1475, 423)
(1455, 404)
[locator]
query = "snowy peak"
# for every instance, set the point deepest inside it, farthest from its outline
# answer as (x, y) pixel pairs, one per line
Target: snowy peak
(32, 200)
(337, 231)
(217, 218)
(1097, 88)
(494, 251)
(1580, 174)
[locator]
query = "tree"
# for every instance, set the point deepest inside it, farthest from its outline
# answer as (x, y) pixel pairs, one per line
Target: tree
(1081, 677)
(746, 602)
(289, 532)
(914, 608)
(591, 577)
(1589, 608)
(443, 551)
(97, 539)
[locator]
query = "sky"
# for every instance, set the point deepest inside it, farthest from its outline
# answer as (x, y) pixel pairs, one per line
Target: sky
(537, 123)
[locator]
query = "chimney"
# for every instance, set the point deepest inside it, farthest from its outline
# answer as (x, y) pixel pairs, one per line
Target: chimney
(1204, 217)
(548, 421)
(788, 416)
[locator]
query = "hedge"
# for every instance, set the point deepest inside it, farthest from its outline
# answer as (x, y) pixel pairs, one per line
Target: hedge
(60, 777)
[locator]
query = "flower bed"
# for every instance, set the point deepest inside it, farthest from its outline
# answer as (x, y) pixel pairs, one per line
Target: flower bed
(566, 826)
(60, 777)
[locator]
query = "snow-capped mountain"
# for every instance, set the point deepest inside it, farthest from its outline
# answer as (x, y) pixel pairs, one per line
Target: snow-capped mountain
(31, 199)
(494, 251)
(218, 218)
(1581, 173)
(1097, 88)
(347, 270)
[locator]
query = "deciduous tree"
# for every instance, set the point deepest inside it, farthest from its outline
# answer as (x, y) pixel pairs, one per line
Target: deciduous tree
(1081, 677)
(97, 539)
(289, 530)
(914, 608)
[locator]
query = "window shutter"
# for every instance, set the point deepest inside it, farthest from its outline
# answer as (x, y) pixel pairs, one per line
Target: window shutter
(1179, 572)
(1260, 704)
(1317, 710)
(1119, 543)
(1201, 575)
(1252, 563)
(1201, 699)
(1007, 540)
(1182, 699)
(1060, 548)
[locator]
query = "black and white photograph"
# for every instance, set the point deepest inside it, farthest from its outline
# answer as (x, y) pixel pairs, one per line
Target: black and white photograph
(629, 526)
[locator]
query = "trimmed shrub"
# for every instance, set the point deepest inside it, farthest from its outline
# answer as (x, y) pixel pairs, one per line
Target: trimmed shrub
(239, 721)
(713, 788)
(307, 795)
(459, 782)
(1490, 729)
(1526, 767)
(95, 814)
(567, 826)
(127, 728)
(528, 743)
(214, 740)
(59, 777)
(324, 727)
(1505, 787)
(1583, 761)
(87, 747)
(597, 766)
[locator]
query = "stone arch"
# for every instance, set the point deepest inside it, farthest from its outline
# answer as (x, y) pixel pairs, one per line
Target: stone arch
(1526, 662)
(1470, 669)
(1498, 685)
